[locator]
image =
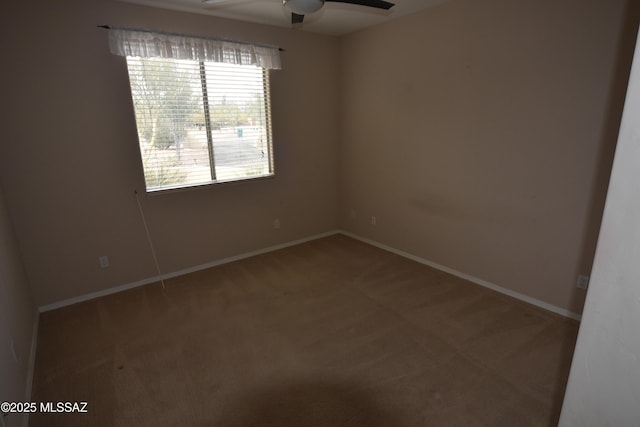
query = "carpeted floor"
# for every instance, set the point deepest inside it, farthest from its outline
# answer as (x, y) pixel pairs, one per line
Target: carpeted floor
(332, 332)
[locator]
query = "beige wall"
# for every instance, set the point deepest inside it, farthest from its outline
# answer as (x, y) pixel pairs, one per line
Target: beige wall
(69, 159)
(480, 133)
(17, 318)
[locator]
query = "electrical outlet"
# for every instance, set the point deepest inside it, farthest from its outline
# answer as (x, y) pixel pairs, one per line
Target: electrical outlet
(104, 261)
(276, 224)
(374, 221)
(583, 282)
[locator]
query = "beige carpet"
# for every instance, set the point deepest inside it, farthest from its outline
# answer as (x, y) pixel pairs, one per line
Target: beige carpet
(332, 332)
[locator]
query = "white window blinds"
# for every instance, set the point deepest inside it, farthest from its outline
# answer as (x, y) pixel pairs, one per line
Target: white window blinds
(199, 121)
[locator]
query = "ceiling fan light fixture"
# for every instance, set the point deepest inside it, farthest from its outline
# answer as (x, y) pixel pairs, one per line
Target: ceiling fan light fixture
(303, 7)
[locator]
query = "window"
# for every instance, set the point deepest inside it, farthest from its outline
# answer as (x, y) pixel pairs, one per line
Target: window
(200, 122)
(201, 105)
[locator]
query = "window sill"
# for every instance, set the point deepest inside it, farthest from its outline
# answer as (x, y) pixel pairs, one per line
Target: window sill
(210, 184)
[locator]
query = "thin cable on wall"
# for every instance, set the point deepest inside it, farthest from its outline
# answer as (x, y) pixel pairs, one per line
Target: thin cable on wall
(146, 229)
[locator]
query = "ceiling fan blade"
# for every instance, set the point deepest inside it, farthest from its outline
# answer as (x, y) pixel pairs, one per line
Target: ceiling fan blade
(206, 3)
(379, 4)
(223, 4)
(296, 19)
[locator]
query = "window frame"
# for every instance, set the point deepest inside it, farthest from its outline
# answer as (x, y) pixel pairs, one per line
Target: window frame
(204, 95)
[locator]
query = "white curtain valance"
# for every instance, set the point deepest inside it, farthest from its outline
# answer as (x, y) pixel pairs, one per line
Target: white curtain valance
(148, 44)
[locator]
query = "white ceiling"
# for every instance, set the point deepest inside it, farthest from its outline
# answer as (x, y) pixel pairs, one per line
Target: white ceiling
(333, 19)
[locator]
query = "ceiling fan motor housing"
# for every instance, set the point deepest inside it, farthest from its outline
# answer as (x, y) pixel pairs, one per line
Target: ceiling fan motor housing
(303, 7)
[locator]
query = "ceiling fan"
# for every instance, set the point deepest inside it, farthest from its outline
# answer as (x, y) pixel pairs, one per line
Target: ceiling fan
(300, 8)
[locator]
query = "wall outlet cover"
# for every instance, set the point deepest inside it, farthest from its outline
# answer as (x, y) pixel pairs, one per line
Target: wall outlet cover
(104, 261)
(583, 282)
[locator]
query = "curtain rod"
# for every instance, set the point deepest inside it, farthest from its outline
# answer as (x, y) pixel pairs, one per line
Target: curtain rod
(109, 27)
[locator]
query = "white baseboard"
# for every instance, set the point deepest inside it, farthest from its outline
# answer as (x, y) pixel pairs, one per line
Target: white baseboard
(193, 269)
(484, 283)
